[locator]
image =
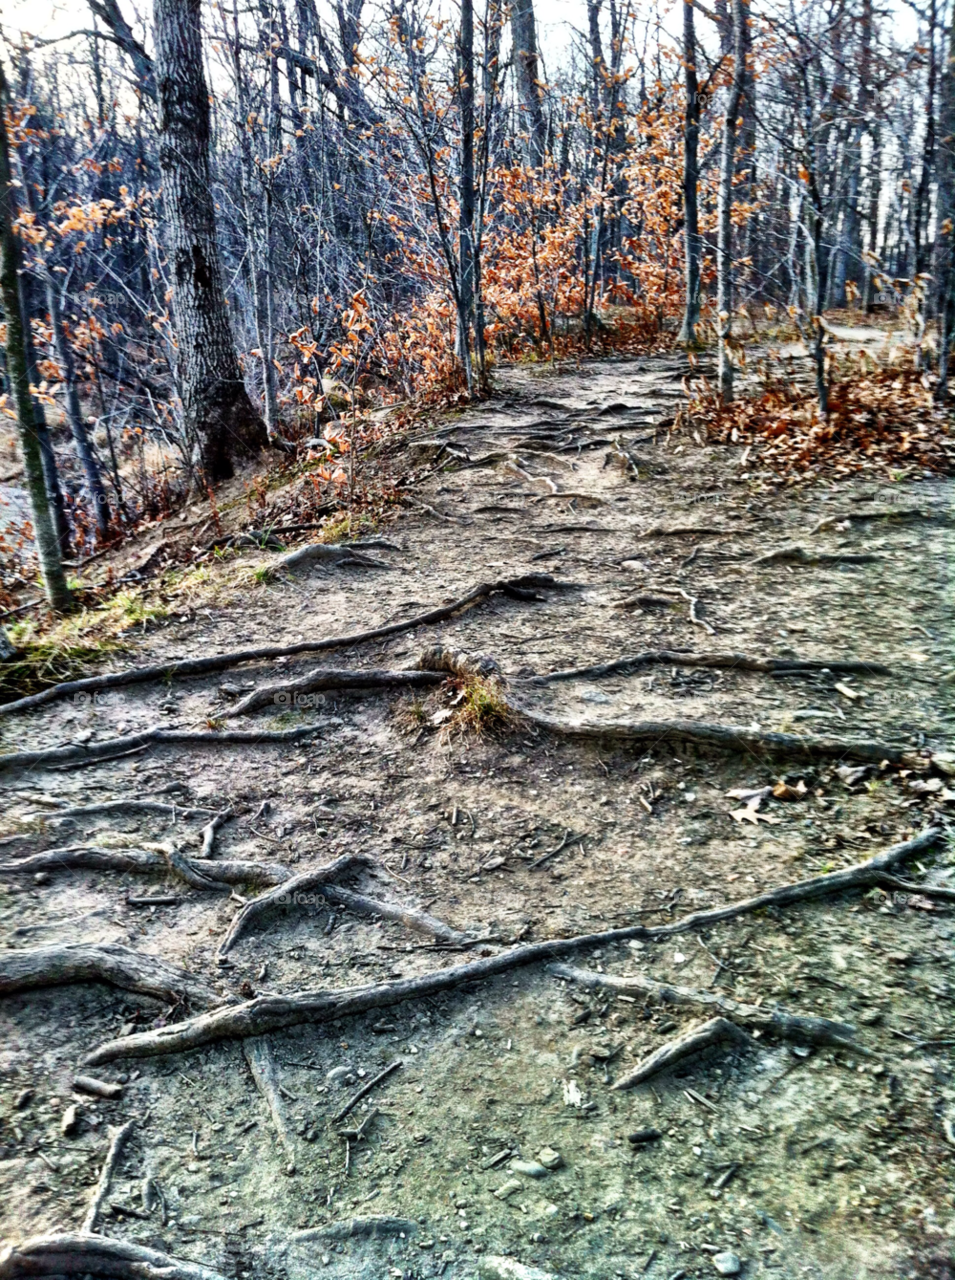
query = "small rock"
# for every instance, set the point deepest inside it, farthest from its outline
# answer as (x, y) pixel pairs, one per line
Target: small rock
(23, 1099)
(870, 1017)
(643, 1136)
(550, 1158)
(41, 877)
(339, 1076)
(230, 690)
(70, 1121)
(508, 1189)
(529, 1168)
(727, 1264)
(496, 1267)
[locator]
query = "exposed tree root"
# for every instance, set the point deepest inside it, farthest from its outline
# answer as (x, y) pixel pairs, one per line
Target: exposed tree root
(89, 752)
(356, 1229)
(524, 587)
(732, 661)
(285, 693)
(287, 891)
(92, 858)
(799, 555)
(324, 553)
(117, 966)
(724, 737)
(788, 1026)
(887, 513)
(89, 1255)
(271, 1013)
(131, 806)
(258, 1054)
(117, 1139)
(209, 832)
(418, 921)
(705, 1036)
(186, 870)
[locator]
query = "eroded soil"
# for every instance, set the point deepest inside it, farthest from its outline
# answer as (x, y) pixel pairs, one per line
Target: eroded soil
(801, 1162)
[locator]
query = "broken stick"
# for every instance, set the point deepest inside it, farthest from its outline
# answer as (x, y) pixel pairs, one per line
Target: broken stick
(117, 1138)
(258, 1054)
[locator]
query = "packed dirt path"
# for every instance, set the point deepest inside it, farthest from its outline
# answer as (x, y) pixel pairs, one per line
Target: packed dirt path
(498, 1147)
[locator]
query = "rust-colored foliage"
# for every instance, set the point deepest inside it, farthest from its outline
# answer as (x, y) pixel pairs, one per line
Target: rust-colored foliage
(880, 420)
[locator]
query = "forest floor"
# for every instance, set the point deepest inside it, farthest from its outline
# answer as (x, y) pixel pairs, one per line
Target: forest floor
(787, 1159)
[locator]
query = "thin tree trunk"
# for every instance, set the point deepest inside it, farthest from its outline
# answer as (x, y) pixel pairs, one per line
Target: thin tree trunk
(691, 218)
(466, 196)
(51, 474)
(88, 461)
(219, 419)
(724, 244)
(944, 266)
(48, 551)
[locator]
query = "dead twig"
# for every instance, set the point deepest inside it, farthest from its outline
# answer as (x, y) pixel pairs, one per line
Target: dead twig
(366, 1088)
(117, 1139)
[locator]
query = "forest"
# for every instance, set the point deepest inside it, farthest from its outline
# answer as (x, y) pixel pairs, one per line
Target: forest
(475, 501)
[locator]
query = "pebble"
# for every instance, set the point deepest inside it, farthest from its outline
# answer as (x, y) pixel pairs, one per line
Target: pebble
(497, 1267)
(70, 1120)
(642, 1136)
(529, 1168)
(41, 877)
(339, 1076)
(23, 1098)
(508, 1189)
(550, 1158)
(727, 1264)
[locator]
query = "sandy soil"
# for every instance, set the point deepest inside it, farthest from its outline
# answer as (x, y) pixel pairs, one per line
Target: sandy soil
(820, 1162)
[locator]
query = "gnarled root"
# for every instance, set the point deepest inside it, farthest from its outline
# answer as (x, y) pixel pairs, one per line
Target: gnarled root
(89, 1255)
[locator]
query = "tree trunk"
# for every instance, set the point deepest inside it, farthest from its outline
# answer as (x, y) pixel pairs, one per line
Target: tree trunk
(466, 197)
(51, 475)
(691, 218)
(88, 461)
(44, 533)
(527, 66)
(944, 265)
(218, 417)
(724, 244)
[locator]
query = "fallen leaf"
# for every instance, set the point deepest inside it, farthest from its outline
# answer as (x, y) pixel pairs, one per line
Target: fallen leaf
(783, 791)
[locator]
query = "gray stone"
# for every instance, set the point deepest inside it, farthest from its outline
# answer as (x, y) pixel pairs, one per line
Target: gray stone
(529, 1168)
(496, 1267)
(727, 1264)
(550, 1158)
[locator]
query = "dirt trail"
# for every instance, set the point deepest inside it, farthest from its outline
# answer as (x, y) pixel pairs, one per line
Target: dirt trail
(797, 1161)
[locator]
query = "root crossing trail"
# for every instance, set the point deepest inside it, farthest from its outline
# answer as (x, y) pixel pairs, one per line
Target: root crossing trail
(593, 682)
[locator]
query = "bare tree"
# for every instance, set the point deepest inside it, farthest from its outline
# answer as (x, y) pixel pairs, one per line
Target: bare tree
(724, 243)
(48, 550)
(219, 418)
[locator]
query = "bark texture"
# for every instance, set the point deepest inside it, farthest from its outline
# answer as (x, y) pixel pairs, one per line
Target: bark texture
(219, 418)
